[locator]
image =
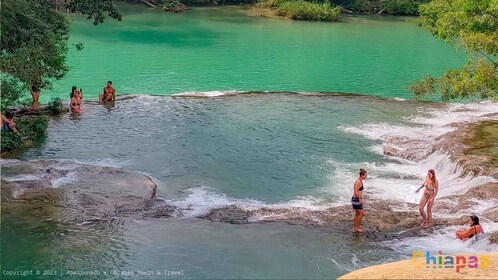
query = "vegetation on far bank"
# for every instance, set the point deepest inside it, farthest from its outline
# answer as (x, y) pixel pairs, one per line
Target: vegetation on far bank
(473, 25)
(392, 7)
(302, 10)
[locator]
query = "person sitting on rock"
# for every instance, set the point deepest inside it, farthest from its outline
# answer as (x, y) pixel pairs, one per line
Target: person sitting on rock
(109, 93)
(8, 123)
(474, 230)
(75, 103)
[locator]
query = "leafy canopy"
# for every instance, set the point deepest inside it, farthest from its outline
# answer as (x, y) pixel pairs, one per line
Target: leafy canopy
(34, 39)
(472, 24)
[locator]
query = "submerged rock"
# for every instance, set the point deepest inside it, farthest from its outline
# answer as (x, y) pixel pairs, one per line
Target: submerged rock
(230, 214)
(71, 192)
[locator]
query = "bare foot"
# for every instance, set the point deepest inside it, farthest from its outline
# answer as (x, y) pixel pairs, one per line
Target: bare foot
(359, 230)
(426, 226)
(423, 223)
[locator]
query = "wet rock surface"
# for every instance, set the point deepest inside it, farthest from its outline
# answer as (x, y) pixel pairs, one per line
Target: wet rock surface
(71, 192)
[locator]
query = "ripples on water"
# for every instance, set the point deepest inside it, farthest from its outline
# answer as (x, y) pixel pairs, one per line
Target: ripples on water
(254, 150)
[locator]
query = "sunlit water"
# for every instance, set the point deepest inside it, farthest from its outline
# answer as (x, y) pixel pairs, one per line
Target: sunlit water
(252, 150)
(219, 49)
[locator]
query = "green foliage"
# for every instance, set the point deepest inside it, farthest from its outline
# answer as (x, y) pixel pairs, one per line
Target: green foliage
(214, 2)
(34, 42)
(95, 9)
(393, 7)
(174, 6)
(30, 129)
(472, 24)
(478, 79)
(55, 106)
(271, 3)
(10, 141)
(13, 92)
(302, 10)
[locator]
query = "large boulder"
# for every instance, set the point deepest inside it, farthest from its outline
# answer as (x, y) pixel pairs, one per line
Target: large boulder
(72, 192)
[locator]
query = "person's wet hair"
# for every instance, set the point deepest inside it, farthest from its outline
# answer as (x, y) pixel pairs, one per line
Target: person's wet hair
(475, 220)
(109, 82)
(433, 174)
(9, 115)
(34, 88)
(362, 172)
(72, 90)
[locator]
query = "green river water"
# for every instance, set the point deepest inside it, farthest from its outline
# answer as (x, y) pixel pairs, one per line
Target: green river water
(258, 150)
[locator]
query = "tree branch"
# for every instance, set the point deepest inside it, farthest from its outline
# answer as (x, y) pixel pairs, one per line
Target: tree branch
(495, 63)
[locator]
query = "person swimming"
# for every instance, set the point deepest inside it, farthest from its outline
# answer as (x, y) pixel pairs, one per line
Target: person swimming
(474, 230)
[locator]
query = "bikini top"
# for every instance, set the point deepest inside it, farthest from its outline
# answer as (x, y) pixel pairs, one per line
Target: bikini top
(361, 188)
(475, 233)
(429, 189)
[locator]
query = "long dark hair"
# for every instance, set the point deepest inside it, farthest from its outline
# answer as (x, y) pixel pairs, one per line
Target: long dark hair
(475, 220)
(72, 90)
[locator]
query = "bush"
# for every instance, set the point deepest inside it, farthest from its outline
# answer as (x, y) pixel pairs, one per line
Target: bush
(30, 129)
(174, 6)
(55, 106)
(14, 92)
(302, 10)
(271, 3)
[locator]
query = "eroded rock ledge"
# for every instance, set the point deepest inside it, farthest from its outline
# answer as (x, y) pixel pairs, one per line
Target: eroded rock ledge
(90, 192)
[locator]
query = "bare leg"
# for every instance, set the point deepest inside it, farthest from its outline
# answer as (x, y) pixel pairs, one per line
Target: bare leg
(100, 98)
(421, 206)
(357, 221)
(37, 102)
(33, 103)
(12, 126)
(429, 212)
(360, 229)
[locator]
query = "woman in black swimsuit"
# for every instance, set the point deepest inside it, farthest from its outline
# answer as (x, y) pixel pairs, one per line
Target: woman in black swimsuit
(474, 230)
(431, 185)
(357, 201)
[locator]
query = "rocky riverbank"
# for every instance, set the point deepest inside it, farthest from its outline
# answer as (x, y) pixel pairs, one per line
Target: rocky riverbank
(73, 192)
(86, 192)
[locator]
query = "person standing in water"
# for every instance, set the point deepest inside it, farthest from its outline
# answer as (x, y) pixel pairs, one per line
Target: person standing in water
(431, 185)
(357, 201)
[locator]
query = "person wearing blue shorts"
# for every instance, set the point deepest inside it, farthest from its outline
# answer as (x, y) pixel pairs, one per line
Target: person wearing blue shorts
(357, 201)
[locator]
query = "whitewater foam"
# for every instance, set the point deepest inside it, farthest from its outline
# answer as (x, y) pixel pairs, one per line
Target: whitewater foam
(206, 94)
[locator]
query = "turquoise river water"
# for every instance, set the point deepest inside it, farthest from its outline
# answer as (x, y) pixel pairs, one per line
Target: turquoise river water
(297, 150)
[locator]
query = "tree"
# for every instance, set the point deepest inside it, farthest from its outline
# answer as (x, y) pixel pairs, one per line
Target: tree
(472, 24)
(34, 42)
